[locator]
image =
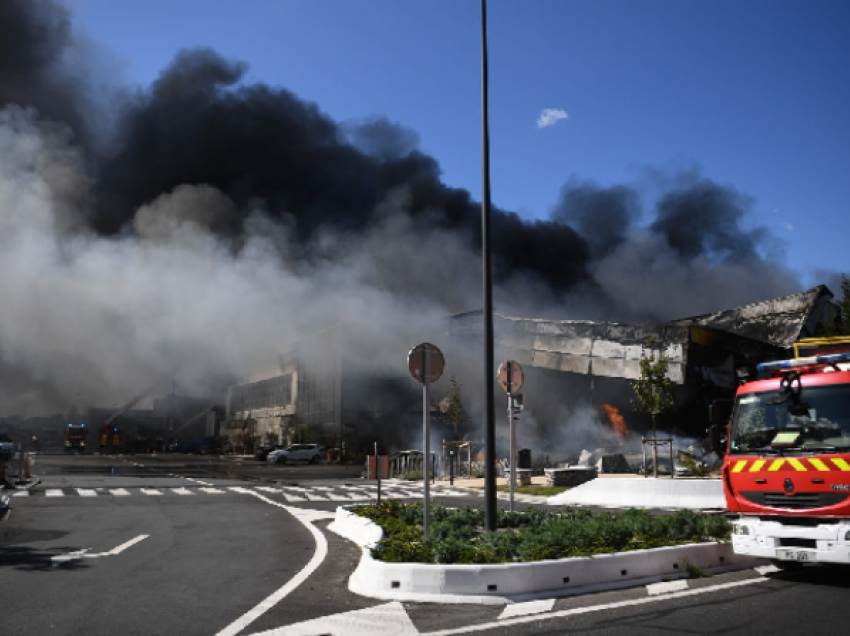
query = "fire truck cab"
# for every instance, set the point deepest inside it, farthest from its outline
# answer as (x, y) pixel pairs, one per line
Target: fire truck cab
(787, 467)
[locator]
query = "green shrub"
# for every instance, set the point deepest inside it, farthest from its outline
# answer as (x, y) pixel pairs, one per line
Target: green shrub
(458, 536)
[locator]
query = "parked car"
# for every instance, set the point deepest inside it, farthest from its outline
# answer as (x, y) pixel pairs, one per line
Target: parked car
(297, 453)
(262, 453)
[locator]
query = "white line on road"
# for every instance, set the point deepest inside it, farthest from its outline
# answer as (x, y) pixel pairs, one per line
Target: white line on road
(54, 492)
(389, 619)
(666, 587)
(318, 556)
(150, 491)
(520, 620)
(524, 609)
(181, 491)
(212, 491)
(84, 554)
(86, 492)
(197, 481)
(119, 492)
(123, 546)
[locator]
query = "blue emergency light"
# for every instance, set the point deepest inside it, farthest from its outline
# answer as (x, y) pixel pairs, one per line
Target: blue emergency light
(796, 363)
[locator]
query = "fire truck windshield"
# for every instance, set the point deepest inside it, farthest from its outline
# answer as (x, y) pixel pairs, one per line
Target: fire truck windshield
(818, 423)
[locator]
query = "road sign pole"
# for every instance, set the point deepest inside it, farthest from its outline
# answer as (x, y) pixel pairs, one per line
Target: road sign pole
(426, 363)
(378, 473)
(426, 443)
(512, 436)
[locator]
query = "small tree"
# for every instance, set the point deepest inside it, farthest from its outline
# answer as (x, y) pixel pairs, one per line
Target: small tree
(452, 408)
(654, 392)
(841, 325)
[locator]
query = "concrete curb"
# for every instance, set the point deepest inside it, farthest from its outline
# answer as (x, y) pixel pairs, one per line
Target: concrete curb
(675, 494)
(517, 582)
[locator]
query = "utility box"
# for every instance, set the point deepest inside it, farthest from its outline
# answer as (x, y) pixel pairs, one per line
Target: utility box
(523, 458)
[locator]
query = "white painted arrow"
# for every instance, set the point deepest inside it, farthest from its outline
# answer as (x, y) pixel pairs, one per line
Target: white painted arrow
(85, 554)
(389, 619)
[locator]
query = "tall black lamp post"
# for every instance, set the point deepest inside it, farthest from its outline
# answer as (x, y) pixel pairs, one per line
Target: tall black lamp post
(487, 315)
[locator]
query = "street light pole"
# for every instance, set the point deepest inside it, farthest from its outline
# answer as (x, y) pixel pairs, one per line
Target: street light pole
(487, 315)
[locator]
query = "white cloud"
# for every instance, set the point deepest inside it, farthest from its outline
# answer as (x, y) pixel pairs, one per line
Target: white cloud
(788, 227)
(550, 117)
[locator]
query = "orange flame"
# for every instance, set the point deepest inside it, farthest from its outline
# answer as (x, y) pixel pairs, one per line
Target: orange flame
(618, 423)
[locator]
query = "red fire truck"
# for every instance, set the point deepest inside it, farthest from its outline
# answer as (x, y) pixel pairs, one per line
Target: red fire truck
(787, 467)
(75, 438)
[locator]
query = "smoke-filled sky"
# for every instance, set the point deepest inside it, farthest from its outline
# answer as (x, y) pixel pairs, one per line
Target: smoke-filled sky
(184, 186)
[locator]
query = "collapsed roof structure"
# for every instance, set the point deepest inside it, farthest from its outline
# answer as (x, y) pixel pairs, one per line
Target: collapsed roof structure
(607, 349)
(572, 360)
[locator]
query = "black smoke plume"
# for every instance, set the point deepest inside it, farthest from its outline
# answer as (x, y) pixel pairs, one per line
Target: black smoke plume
(162, 217)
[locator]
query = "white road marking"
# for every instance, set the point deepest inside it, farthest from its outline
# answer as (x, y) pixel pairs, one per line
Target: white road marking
(54, 492)
(212, 491)
(123, 546)
(197, 481)
(304, 516)
(150, 491)
(520, 620)
(523, 609)
(86, 492)
(239, 489)
(269, 489)
(290, 497)
(22, 493)
(181, 491)
(767, 569)
(389, 619)
(119, 492)
(667, 587)
(85, 554)
(350, 497)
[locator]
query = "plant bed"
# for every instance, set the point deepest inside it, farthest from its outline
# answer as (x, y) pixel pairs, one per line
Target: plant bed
(457, 535)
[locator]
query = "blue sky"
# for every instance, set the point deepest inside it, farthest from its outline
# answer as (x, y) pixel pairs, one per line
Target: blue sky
(754, 94)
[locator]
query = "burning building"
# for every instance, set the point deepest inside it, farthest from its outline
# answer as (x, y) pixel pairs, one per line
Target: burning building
(327, 393)
(573, 361)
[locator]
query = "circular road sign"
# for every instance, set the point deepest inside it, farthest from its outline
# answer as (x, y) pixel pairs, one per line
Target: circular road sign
(510, 376)
(416, 362)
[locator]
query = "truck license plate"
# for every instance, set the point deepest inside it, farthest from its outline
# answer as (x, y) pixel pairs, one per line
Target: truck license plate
(803, 556)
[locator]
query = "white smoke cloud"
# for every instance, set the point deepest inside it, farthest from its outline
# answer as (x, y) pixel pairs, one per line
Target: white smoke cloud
(102, 317)
(550, 117)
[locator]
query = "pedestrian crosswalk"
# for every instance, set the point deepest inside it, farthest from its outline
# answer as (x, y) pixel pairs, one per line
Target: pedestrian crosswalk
(293, 494)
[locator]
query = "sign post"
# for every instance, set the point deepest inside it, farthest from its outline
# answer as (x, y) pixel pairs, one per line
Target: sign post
(510, 379)
(425, 363)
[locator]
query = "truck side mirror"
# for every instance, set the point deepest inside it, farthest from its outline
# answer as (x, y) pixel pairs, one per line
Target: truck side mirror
(719, 412)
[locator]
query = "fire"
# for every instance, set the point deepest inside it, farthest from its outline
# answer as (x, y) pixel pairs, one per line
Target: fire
(618, 423)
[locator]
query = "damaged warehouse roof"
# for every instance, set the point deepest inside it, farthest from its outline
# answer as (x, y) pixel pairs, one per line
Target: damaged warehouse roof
(779, 321)
(754, 332)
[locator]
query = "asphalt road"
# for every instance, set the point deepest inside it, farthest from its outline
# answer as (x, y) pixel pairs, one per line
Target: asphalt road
(185, 546)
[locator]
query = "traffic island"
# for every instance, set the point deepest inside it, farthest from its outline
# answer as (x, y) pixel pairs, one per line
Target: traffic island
(501, 583)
